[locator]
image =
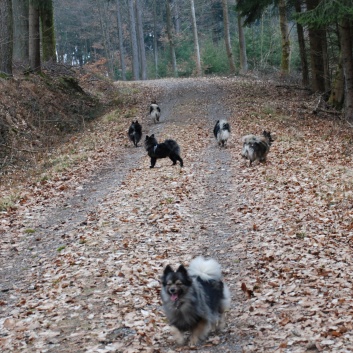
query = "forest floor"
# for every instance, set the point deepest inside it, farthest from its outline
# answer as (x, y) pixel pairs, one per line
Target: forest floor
(84, 247)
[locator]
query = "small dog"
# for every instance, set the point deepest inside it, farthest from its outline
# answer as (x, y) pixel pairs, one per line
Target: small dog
(221, 132)
(256, 148)
(135, 132)
(155, 111)
(169, 148)
(195, 299)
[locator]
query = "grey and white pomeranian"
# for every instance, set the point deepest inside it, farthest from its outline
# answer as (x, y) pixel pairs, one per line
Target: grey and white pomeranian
(155, 111)
(195, 299)
(256, 148)
(135, 132)
(221, 132)
(168, 148)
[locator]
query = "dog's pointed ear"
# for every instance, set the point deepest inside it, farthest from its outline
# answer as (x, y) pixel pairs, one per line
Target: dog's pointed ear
(137, 122)
(146, 137)
(168, 270)
(152, 135)
(182, 270)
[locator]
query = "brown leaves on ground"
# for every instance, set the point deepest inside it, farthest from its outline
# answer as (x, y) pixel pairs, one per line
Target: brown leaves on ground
(281, 230)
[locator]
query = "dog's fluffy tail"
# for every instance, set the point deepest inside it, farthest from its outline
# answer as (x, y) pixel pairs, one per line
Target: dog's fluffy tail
(250, 139)
(224, 125)
(207, 270)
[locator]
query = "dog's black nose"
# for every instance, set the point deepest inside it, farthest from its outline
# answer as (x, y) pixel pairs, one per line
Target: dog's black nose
(172, 290)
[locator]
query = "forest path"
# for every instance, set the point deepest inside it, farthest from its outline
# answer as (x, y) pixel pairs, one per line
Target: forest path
(75, 229)
(80, 270)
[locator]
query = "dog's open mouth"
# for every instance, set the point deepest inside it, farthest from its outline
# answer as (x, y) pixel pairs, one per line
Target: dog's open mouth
(174, 297)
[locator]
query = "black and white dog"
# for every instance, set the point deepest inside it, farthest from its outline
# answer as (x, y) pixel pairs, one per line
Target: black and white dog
(155, 111)
(256, 148)
(195, 299)
(135, 132)
(221, 132)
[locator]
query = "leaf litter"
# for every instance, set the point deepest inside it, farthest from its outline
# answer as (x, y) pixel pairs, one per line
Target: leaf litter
(82, 253)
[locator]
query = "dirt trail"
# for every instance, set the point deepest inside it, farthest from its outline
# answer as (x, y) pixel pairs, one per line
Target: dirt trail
(189, 110)
(80, 273)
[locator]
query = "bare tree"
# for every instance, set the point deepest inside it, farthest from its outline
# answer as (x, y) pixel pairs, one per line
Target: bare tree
(196, 40)
(133, 37)
(155, 43)
(345, 29)
(20, 31)
(121, 41)
(316, 53)
(302, 50)
(242, 47)
(285, 58)
(141, 41)
(6, 25)
(46, 14)
(176, 15)
(34, 36)
(106, 39)
(171, 38)
(227, 37)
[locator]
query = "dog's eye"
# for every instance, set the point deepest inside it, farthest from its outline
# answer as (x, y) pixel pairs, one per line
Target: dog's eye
(169, 283)
(179, 283)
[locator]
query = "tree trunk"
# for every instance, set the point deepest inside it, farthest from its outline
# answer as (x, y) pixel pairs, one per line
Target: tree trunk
(6, 30)
(242, 47)
(48, 33)
(285, 60)
(106, 41)
(176, 17)
(345, 31)
(155, 43)
(196, 40)
(141, 40)
(20, 31)
(171, 38)
(316, 54)
(34, 37)
(121, 41)
(227, 37)
(134, 46)
(336, 98)
(325, 59)
(302, 50)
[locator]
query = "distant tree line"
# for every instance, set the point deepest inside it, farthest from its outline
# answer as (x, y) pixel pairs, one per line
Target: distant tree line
(143, 39)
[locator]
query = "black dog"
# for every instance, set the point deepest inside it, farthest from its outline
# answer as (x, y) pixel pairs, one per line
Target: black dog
(169, 148)
(135, 132)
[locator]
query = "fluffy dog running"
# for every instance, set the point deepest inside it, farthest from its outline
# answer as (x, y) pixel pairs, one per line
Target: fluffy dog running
(135, 132)
(155, 111)
(256, 148)
(221, 132)
(195, 299)
(168, 148)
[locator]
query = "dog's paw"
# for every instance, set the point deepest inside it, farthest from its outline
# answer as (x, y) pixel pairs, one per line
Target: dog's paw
(194, 340)
(178, 336)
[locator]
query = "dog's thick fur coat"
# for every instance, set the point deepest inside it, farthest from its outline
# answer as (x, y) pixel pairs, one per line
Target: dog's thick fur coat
(256, 148)
(168, 148)
(195, 299)
(221, 132)
(135, 132)
(155, 111)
